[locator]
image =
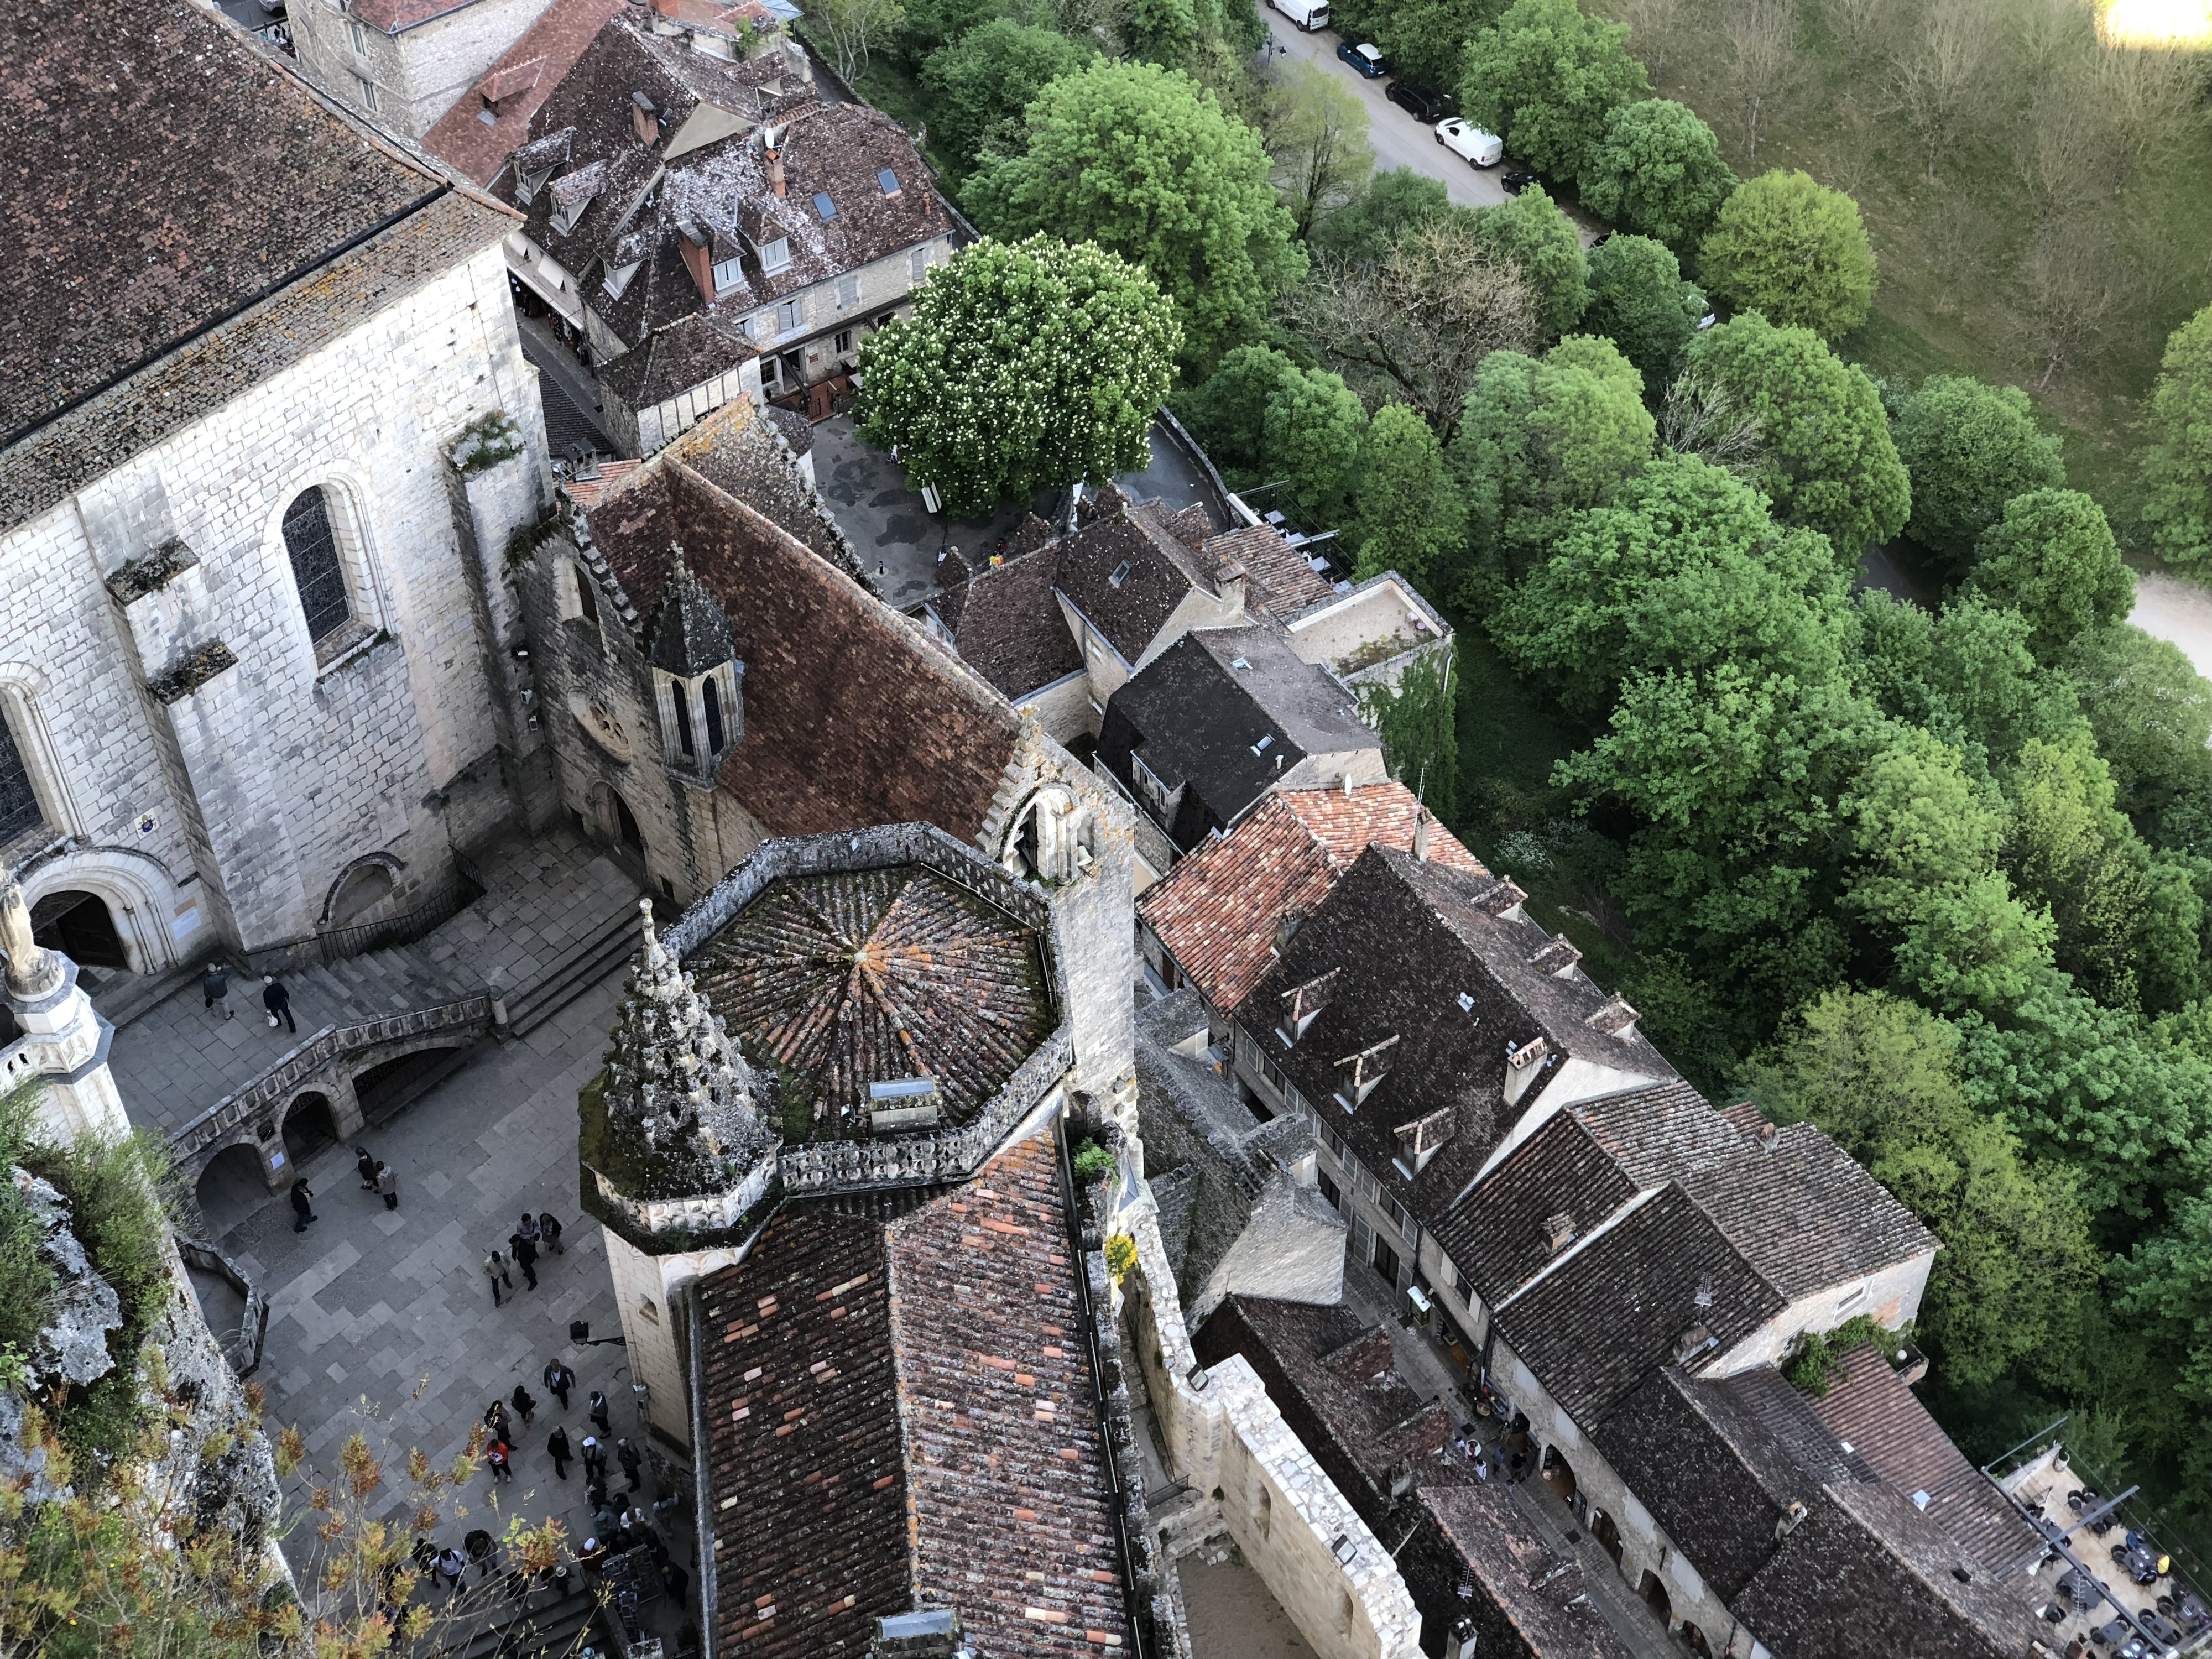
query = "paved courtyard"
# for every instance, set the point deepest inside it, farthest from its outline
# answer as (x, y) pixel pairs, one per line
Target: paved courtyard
(383, 1320)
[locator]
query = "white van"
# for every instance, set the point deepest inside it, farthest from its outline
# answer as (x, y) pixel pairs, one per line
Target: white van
(1308, 14)
(1467, 139)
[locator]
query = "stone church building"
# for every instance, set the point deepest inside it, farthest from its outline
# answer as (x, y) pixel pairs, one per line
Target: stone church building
(255, 665)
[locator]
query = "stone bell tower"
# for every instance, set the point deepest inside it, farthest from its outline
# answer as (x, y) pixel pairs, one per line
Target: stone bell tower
(64, 1041)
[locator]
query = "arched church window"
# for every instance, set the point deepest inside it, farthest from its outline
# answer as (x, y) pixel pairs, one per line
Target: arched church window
(713, 717)
(18, 801)
(317, 568)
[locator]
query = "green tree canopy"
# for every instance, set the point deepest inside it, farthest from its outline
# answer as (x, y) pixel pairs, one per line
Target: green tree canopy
(1545, 78)
(981, 83)
(1142, 161)
(1532, 232)
(928, 24)
(1228, 413)
(1317, 138)
(1361, 232)
(1425, 39)
(1542, 438)
(2052, 558)
(2177, 466)
(1684, 570)
(1793, 252)
(1311, 436)
(1023, 366)
(2152, 713)
(1827, 461)
(1881, 1077)
(1966, 675)
(1969, 449)
(1163, 31)
(1639, 302)
(1409, 515)
(1658, 171)
(1923, 825)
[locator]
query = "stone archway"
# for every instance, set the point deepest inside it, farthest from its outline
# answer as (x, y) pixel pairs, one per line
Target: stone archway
(139, 901)
(79, 925)
(359, 887)
(311, 1127)
(231, 1185)
(1558, 1474)
(1655, 1595)
(1602, 1529)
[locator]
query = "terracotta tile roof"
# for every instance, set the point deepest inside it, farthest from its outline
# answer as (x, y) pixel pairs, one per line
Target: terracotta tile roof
(1278, 578)
(870, 976)
(513, 89)
(851, 717)
(1217, 910)
(1869, 1405)
(140, 207)
(900, 1412)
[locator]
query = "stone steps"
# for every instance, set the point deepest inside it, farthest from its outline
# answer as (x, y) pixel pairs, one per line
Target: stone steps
(552, 1628)
(587, 962)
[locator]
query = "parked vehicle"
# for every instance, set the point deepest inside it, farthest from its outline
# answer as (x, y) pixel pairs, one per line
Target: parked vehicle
(1516, 182)
(1308, 14)
(1368, 60)
(1418, 101)
(1465, 138)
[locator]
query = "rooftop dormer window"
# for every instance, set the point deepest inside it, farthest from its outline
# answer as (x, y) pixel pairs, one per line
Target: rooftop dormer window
(1363, 1071)
(888, 180)
(775, 256)
(728, 275)
(1303, 1003)
(824, 206)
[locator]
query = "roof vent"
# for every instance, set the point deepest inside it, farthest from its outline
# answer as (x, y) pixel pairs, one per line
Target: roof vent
(1769, 1137)
(1422, 820)
(644, 119)
(1694, 1341)
(1466, 1003)
(1558, 1231)
(1528, 1053)
(1121, 573)
(1705, 1297)
(1260, 747)
(1792, 1518)
(1287, 927)
(1240, 662)
(1921, 1500)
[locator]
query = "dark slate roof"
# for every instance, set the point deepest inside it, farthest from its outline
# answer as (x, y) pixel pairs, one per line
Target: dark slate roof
(1866, 1573)
(1336, 1386)
(1719, 1463)
(900, 1414)
(690, 635)
(1007, 624)
(1542, 1595)
(798, 431)
(1626, 1300)
(140, 207)
(689, 352)
(1501, 1235)
(743, 453)
(1217, 911)
(852, 717)
(1408, 939)
(875, 976)
(1223, 714)
(1162, 571)
(1868, 1406)
(513, 89)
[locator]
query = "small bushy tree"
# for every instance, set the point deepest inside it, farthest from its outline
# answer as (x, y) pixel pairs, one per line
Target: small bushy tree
(2178, 467)
(1361, 232)
(1023, 366)
(1408, 514)
(2052, 558)
(1142, 161)
(982, 81)
(1658, 171)
(1531, 232)
(1639, 302)
(1311, 435)
(1545, 78)
(1317, 139)
(1798, 254)
(1969, 448)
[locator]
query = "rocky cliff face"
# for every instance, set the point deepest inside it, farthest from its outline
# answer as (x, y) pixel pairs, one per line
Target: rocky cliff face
(71, 1348)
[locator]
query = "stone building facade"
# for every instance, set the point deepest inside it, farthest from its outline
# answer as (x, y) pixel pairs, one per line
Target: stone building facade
(403, 64)
(253, 648)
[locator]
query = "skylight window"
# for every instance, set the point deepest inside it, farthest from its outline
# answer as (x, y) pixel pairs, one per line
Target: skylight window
(824, 206)
(1121, 573)
(1466, 1002)
(1240, 662)
(888, 180)
(1260, 747)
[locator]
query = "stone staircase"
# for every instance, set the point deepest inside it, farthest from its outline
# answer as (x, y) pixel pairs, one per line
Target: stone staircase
(587, 963)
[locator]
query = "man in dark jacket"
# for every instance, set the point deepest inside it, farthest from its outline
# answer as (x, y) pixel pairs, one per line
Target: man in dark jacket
(278, 1001)
(303, 1208)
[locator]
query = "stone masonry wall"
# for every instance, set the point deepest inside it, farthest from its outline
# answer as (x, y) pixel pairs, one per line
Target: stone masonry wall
(420, 73)
(290, 770)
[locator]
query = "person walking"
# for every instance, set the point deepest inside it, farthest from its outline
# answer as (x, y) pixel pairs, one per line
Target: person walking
(626, 1455)
(303, 1206)
(494, 1266)
(598, 1413)
(214, 987)
(525, 1402)
(368, 1166)
(495, 1419)
(557, 1447)
(678, 1582)
(595, 1461)
(453, 1567)
(496, 1455)
(525, 1252)
(528, 1228)
(559, 1379)
(549, 1233)
(479, 1546)
(277, 999)
(388, 1183)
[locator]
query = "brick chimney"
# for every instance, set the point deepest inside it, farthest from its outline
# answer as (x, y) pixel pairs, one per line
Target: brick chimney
(1421, 822)
(1228, 585)
(772, 145)
(644, 119)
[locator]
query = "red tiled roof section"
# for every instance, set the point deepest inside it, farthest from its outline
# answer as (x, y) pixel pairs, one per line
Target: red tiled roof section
(1217, 911)
(1870, 1407)
(514, 88)
(809, 1520)
(850, 717)
(1012, 1521)
(1279, 580)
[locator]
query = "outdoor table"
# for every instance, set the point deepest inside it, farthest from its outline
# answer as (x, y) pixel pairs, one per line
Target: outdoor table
(2159, 1629)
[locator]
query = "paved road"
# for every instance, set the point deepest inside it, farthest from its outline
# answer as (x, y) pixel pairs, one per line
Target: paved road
(2171, 608)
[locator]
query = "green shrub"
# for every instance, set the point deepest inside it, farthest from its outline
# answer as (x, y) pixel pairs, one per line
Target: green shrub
(1091, 1162)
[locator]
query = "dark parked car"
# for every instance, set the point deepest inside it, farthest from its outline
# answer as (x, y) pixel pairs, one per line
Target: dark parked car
(1424, 106)
(1368, 60)
(1515, 183)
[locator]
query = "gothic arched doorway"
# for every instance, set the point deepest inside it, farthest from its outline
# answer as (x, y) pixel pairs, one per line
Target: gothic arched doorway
(79, 926)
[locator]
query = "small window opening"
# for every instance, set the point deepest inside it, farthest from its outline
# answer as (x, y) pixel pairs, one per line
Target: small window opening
(888, 180)
(683, 721)
(713, 719)
(824, 206)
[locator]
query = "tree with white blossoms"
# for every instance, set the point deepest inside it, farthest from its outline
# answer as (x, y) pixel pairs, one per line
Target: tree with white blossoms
(1025, 365)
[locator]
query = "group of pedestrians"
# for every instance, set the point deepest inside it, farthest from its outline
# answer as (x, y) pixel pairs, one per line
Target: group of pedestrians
(275, 996)
(522, 1246)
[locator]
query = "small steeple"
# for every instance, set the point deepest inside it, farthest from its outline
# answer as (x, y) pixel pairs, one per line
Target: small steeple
(698, 682)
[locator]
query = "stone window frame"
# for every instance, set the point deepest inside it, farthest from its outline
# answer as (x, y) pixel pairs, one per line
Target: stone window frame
(352, 529)
(22, 693)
